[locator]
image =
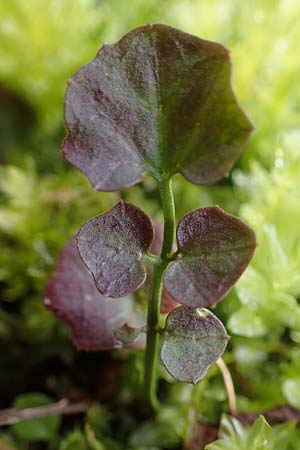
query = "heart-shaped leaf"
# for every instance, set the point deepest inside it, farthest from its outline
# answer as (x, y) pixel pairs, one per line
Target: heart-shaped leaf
(112, 246)
(159, 100)
(214, 250)
(71, 294)
(193, 340)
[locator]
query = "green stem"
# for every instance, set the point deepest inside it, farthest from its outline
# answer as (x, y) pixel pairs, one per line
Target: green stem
(152, 347)
(150, 258)
(168, 205)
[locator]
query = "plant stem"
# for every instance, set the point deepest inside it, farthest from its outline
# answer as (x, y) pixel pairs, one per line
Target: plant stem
(150, 258)
(168, 205)
(228, 385)
(152, 347)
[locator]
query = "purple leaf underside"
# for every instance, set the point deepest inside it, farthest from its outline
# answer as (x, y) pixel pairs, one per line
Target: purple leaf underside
(71, 294)
(193, 340)
(159, 100)
(112, 246)
(214, 250)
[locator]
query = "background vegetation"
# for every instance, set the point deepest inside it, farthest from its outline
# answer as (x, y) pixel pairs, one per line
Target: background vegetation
(43, 201)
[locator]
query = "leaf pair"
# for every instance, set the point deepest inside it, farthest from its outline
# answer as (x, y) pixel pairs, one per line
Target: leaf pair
(214, 248)
(113, 245)
(193, 339)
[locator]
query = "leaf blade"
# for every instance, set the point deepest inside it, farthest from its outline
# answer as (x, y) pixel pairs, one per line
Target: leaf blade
(215, 249)
(159, 100)
(112, 246)
(193, 340)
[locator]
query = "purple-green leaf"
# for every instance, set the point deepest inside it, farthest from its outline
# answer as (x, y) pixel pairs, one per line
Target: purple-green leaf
(214, 250)
(159, 100)
(71, 294)
(112, 246)
(193, 340)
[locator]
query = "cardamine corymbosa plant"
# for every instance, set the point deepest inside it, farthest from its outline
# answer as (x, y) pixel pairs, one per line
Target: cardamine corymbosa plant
(160, 102)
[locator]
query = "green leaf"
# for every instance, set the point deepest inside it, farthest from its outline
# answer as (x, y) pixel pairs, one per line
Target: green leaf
(166, 430)
(291, 391)
(37, 429)
(160, 101)
(285, 436)
(75, 440)
(214, 250)
(193, 339)
(245, 322)
(260, 436)
(112, 246)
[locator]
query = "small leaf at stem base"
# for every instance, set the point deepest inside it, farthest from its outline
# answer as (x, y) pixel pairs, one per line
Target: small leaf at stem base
(192, 341)
(128, 334)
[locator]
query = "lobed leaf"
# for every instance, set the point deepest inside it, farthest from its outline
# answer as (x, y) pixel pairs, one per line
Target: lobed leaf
(160, 101)
(112, 247)
(193, 340)
(214, 250)
(71, 294)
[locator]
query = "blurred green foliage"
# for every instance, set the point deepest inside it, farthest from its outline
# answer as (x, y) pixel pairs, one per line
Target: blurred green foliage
(37, 429)
(260, 436)
(269, 290)
(43, 202)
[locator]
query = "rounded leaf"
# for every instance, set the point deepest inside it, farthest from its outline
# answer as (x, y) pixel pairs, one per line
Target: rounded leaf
(112, 246)
(71, 294)
(159, 100)
(193, 340)
(214, 250)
